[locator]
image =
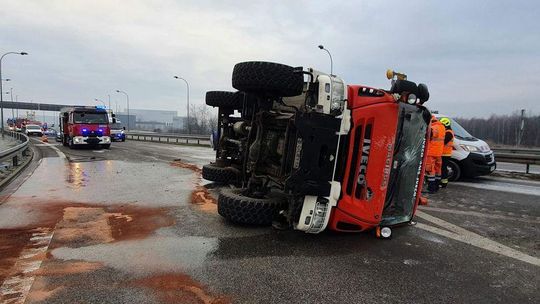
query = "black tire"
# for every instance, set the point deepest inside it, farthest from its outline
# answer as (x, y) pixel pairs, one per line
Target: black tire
(237, 208)
(224, 99)
(218, 174)
(423, 92)
(401, 86)
(267, 78)
(106, 146)
(123, 139)
(70, 143)
(454, 171)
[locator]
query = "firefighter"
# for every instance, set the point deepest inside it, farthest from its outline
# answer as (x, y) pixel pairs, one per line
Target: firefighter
(447, 150)
(434, 155)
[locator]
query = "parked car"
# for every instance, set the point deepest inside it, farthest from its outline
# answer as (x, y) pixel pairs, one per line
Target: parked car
(471, 156)
(33, 130)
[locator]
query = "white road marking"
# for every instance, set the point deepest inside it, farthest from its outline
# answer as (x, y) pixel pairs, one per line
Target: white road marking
(504, 187)
(459, 234)
(60, 153)
(481, 214)
(15, 289)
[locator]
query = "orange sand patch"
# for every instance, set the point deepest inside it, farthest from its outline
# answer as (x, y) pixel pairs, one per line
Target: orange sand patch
(203, 199)
(181, 164)
(40, 292)
(180, 288)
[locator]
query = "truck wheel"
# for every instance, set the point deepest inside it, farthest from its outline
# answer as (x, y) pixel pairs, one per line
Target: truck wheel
(238, 208)
(401, 86)
(454, 171)
(224, 99)
(267, 78)
(219, 174)
(70, 143)
(423, 92)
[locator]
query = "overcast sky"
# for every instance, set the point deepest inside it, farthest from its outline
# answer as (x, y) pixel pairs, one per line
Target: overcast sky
(477, 57)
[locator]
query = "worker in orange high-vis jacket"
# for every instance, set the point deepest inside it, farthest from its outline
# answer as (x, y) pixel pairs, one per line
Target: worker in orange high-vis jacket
(434, 155)
(447, 150)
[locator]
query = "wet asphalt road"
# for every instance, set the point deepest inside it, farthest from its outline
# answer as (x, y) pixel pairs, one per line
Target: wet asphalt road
(136, 224)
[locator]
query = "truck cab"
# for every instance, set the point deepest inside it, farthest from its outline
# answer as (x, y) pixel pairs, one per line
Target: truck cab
(85, 126)
(471, 156)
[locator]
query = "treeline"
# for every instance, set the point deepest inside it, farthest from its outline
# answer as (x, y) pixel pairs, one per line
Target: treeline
(505, 129)
(202, 120)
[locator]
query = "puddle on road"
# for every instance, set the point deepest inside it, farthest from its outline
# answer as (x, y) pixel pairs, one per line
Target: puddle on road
(154, 254)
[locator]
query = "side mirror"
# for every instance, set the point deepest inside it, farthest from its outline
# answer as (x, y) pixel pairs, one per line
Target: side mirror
(114, 119)
(124, 128)
(113, 115)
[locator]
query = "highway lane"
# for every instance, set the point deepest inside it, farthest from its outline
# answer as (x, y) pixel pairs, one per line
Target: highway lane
(136, 224)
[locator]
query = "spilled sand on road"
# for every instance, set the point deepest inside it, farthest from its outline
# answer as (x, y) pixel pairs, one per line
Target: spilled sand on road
(74, 225)
(200, 197)
(180, 288)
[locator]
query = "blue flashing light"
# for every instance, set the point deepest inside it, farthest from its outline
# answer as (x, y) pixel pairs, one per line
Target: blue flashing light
(100, 130)
(84, 130)
(101, 107)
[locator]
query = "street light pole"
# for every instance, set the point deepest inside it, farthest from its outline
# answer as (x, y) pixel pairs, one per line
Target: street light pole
(127, 97)
(187, 84)
(331, 61)
(109, 101)
(12, 105)
(101, 102)
(2, 90)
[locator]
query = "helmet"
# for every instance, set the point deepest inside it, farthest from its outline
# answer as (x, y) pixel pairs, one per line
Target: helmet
(445, 121)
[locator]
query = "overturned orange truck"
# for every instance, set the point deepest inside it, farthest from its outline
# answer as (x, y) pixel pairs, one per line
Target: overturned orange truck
(309, 152)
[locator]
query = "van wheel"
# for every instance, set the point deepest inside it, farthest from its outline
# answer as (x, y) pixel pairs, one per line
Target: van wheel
(267, 78)
(237, 207)
(106, 146)
(454, 171)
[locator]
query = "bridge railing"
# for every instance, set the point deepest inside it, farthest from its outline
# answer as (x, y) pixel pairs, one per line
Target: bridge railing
(179, 139)
(15, 158)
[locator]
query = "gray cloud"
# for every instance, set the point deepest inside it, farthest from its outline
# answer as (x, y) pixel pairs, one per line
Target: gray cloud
(477, 58)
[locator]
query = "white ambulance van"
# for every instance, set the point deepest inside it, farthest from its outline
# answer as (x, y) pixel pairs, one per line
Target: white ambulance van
(471, 156)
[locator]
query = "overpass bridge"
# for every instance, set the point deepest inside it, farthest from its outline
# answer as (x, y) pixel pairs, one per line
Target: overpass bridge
(34, 106)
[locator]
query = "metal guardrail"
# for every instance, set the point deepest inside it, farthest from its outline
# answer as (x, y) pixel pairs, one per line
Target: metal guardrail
(189, 139)
(517, 151)
(14, 154)
(14, 159)
(527, 157)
